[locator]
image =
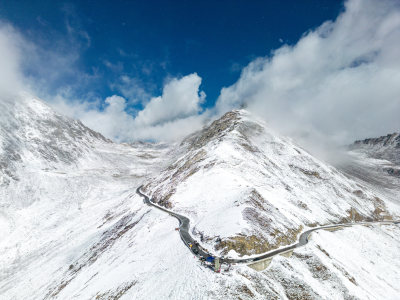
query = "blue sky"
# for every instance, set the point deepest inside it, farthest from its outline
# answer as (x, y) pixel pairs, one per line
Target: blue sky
(150, 41)
(318, 70)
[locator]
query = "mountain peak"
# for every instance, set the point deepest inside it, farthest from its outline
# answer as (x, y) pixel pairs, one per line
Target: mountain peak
(233, 120)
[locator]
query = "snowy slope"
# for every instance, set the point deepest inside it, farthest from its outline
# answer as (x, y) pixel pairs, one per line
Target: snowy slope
(33, 136)
(72, 226)
(248, 190)
(376, 163)
(381, 154)
(384, 147)
(64, 188)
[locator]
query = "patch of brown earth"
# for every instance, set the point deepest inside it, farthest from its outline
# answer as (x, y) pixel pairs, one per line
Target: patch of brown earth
(256, 244)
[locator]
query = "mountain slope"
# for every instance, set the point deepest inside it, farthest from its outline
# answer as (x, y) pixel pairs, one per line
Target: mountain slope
(385, 151)
(249, 190)
(64, 199)
(33, 135)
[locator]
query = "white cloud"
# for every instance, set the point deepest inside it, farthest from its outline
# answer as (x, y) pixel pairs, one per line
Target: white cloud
(168, 117)
(132, 89)
(10, 71)
(180, 99)
(171, 130)
(113, 121)
(41, 69)
(339, 82)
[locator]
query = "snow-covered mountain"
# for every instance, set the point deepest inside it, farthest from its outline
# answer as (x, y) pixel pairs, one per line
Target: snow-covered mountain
(72, 226)
(249, 190)
(33, 136)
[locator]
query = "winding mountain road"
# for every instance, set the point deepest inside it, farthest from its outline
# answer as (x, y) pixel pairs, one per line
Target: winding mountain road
(183, 227)
(200, 252)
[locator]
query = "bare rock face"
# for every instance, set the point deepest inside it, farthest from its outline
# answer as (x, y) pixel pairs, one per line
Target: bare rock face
(216, 131)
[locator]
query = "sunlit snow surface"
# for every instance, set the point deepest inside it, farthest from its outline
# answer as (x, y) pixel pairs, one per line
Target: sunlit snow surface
(77, 230)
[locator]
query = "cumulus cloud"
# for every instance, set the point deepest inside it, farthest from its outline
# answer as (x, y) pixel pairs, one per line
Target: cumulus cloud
(168, 117)
(339, 82)
(180, 99)
(171, 130)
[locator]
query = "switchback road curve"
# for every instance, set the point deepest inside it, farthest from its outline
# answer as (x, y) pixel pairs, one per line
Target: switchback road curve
(197, 250)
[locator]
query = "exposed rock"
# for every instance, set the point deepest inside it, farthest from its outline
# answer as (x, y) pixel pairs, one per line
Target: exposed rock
(215, 131)
(257, 244)
(393, 172)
